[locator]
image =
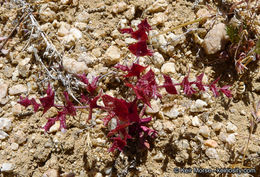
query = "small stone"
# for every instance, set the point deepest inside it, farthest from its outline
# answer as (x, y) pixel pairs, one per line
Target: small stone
(198, 106)
(8, 71)
(158, 157)
(172, 113)
(243, 112)
(204, 131)
(3, 90)
(3, 135)
(158, 6)
(216, 126)
(195, 121)
(17, 89)
(168, 68)
(7, 167)
(113, 55)
(64, 29)
(211, 143)
(5, 124)
(231, 128)
(51, 173)
(83, 17)
(215, 39)
(14, 146)
(74, 67)
(155, 107)
(20, 137)
(212, 153)
(158, 59)
(183, 144)
(55, 127)
(231, 139)
(24, 67)
(77, 34)
(222, 137)
(158, 126)
(174, 39)
(87, 58)
(66, 2)
(96, 52)
(130, 40)
(98, 174)
(16, 109)
(158, 19)
(99, 142)
(203, 12)
(130, 13)
(119, 7)
(46, 14)
(168, 126)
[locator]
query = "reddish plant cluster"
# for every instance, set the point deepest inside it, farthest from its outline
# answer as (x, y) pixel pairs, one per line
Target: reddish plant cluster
(130, 124)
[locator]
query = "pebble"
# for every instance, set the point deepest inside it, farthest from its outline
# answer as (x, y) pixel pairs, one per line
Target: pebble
(174, 39)
(3, 90)
(66, 2)
(74, 67)
(168, 126)
(96, 52)
(198, 106)
(158, 126)
(17, 89)
(64, 29)
(3, 135)
(16, 109)
(195, 121)
(5, 124)
(87, 58)
(231, 139)
(215, 39)
(46, 14)
(216, 126)
(211, 143)
(243, 112)
(158, 6)
(158, 19)
(231, 128)
(158, 59)
(168, 68)
(155, 107)
(130, 13)
(7, 167)
(204, 131)
(24, 67)
(182, 157)
(113, 55)
(222, 136)
(14, 146)
(98, 174)
(172, 113)
(51, 173)
(203, 12)
(55, 127)
(20, 137)
(183, 144)
(212, 153)
(158, 157)
(119, 7)
(129, 40)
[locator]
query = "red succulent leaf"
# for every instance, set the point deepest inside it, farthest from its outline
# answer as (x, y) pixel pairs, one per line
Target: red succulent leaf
(122, 67)
(49, 124)
(27, 102)
(118, 143)
(91, 87)
(134, 70)
(140, 49)
(93, 104)
(51, 121)
(69, 107)
(119, 128)
(144, 25)
(148, 131)
(139, 34)
(199, 83)
(187, 86)
(225, 90)
(214, 88)
(48, 101)
(168, 85)
(126, 30)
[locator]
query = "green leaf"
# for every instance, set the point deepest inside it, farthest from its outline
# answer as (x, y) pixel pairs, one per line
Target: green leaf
(232, 32)
(257, 47)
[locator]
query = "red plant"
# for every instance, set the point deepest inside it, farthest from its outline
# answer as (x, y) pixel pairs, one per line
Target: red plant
(134, 70)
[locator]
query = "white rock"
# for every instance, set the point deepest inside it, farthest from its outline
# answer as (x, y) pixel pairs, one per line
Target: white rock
(168, 126)
(14, 146)
(64, 29)
(7, 167)
(212, 153)
(168, 68)
(158, 157)
(87, 58)
(158, 6)
(172, 113)
(16, 109)
(130, 40)
(74, 67)
(158, 19)
(3, 90)
(55, 127)
(231, 128)
(119, 7)
(216, 126)
(215, 39)
(24, 67)
(198, 106)
(77, 34)
(20, 137)
(46, 14)
(222, 137)
(5, 124)
(195, 121)
(51, 173)
(158, 126)
(183, 144)
(156, 105)
(130, 13)
(98, 174)
(174, 40)
(231, 139)
(17, 89)
(205, 131)
(203, 12)
(3, 135)
(158, 59)
(66, 2)
(83, 17)
(113, 55)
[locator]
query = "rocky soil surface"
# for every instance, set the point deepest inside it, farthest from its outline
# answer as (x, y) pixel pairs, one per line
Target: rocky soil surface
(193, 132)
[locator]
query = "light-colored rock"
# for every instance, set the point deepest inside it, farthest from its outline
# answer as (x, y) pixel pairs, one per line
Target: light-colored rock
(204, 131)
(113, 55)
(20, 137)
(155, 107)
(158, 6)
(203, 12)
(5, 124)
(215, 39)
(212, 153)
(195, 121)
(3, 135)
(51, 173)
(64, 29)
(159, 156)
(168, 68)
(83, 17)
(172, 113)
(119, 7)
(158, 19)
(55, 127)
(46, 14)
(216, 126)
(211, 143)
(74, 67)
(7, 167)
(129, 40)
(174, 39)
(158, 125)
(98, 174)
(76, 33)
(87, 58)
(231, 139)
(168, 126)
(130, 13)
(24, 67)
(17, 89)
(158, 59)
(222, 137)
(198, 106)
(14, 146)
(96, 52)
(3, 90)
(16, 109)
(99, 142)
(231, 128)
(66, 2)
(183, 144)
